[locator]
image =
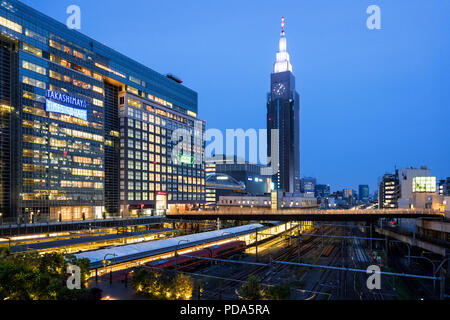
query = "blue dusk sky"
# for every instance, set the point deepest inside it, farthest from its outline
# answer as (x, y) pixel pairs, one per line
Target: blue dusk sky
(371, 100)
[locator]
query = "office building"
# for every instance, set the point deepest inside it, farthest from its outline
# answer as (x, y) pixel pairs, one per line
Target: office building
(444, 187)
(308, 186)
(406, 179)
(388, 192)
(86, 131)
(363, 193)
(236, 177)
(283, 114)
(322, 191)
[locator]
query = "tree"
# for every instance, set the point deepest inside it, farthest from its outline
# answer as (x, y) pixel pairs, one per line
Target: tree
(251, 290)
(31, 276)
(278, 292)
(162, 285)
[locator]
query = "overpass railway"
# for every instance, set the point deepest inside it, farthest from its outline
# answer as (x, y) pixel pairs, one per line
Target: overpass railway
(263, 214)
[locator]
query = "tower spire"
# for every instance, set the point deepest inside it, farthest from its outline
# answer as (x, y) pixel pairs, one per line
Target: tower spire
(282, 62)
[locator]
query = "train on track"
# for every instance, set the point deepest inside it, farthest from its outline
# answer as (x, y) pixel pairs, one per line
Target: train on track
(187, 263)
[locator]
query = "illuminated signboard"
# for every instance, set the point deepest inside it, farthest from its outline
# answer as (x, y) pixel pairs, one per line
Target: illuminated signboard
(61, 97)
(424, 184)
(53, 105)
(183, 158)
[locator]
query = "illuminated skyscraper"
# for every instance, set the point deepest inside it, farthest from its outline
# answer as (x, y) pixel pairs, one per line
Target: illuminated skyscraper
(86, 132)
(283, 113)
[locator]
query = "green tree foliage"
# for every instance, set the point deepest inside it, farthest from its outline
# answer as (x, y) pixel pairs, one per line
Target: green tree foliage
(252, 290)
(32, 276)
(279, 292)
(162, 285)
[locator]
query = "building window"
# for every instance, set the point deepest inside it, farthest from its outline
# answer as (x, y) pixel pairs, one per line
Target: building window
(10, 25)
(34, 67)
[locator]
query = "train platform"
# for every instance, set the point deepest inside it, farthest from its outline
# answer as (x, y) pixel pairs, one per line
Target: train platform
(140, 251)
(79, 242)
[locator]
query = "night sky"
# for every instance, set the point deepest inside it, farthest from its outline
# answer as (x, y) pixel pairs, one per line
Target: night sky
(370, 99)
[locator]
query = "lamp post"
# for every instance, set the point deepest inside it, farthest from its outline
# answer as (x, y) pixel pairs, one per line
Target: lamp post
(1, 218)
(176, 254)
(108, 262)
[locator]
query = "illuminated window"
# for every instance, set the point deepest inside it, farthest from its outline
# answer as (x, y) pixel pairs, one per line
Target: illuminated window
(133, 90)
(65, 63)
(109, 70)
(35, 36)
(97, 89)
(54, 75)
(97, 102)
(10, 25)
(33, 139)
(54, 44)
(98, 76)
(33, 96)
(78, 54)
(134, 103)
(31, 49)
(424, 184)
(81, 84)
(34, 82)
(34, 67)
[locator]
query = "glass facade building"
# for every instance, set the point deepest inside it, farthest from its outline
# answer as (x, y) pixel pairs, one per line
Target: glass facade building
(85, 131)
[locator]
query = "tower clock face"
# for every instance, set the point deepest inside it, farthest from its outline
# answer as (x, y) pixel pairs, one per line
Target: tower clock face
(279, 89)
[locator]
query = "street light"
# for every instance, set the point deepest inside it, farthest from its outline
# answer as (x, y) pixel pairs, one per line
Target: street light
(109, 262)
(176, 254)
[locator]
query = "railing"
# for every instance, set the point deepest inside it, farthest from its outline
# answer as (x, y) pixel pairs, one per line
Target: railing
(244, 210)
(12, 222)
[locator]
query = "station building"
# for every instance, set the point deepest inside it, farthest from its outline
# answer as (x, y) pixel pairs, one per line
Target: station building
(86, 132)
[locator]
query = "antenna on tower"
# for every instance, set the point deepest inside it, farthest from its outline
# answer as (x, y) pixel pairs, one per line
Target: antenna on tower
(282, 26)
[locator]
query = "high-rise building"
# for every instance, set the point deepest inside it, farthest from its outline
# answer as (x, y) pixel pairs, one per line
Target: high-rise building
(283, 114)
(364, 193)
(308, 186)
(322, 191)
(406, 177)
(444, 187)
(388, 192)
(86, 130)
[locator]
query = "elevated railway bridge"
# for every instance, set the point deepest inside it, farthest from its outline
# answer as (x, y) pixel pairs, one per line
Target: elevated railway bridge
(266, 214)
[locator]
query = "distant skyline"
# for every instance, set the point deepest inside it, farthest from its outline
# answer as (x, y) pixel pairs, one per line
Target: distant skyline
(370, 99)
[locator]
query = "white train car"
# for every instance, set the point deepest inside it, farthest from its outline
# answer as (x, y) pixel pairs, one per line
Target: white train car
(130, 255)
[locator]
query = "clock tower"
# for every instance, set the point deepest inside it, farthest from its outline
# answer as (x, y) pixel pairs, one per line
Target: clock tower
(283, 113)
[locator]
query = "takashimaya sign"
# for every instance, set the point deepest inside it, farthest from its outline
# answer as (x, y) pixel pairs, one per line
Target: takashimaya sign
(61, 97)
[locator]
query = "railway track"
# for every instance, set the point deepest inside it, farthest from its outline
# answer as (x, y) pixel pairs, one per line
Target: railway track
(287, 254)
